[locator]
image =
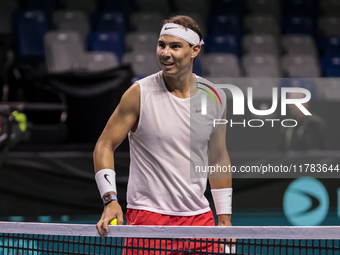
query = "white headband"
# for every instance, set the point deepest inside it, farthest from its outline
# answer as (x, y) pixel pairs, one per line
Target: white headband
(184, 33)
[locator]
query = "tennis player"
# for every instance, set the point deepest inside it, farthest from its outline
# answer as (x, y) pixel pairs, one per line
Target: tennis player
(164, 146)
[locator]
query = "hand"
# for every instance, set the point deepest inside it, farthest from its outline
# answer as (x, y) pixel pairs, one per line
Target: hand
(111, 211)
(224, 220)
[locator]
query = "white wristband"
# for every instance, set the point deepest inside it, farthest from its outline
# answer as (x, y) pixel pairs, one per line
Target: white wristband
(222, 199)
(106, 181)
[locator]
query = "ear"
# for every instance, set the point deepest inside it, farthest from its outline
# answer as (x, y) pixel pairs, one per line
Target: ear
(195, 50)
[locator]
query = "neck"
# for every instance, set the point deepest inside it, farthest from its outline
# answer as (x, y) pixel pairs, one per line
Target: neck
(183, 86)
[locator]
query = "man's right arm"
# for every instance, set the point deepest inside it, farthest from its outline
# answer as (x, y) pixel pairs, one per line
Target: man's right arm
(122, 121)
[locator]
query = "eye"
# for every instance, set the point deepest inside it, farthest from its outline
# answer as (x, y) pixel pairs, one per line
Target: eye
(175, 46)
(161, 44)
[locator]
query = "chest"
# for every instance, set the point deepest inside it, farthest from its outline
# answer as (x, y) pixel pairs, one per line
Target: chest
(168, 119)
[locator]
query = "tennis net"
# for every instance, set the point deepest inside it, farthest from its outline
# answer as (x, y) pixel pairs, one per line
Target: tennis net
(49, 238)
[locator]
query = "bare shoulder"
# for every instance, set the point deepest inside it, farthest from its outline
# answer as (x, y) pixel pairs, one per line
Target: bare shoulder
(131, 99)
(133, 92)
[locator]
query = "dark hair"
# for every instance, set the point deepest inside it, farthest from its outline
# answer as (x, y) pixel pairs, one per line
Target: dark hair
(186, 22)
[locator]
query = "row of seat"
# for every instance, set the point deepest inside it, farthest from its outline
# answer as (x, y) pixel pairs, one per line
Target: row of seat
(326, 25)
(30, 26)
(34, 23)
(304, 64)
(66, 52)
(258, 65)
(199, 6)
(266, 43)
(269, 65)
(214, 24)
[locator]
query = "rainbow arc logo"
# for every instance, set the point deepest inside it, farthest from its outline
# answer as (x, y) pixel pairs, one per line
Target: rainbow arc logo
(209, 93)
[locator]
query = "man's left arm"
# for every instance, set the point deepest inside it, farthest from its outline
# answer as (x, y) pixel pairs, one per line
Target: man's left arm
(220, 182)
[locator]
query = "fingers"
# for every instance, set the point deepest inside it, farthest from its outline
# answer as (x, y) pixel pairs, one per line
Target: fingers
(222, 250)
(229, 247)
(105, 226)
(102, 227)
(120, 219)
(229, 250)
(111, 211)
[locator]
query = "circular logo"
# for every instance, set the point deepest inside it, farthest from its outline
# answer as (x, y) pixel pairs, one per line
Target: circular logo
(306, 202)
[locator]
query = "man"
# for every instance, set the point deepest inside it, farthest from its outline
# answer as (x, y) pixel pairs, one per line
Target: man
(166, 141)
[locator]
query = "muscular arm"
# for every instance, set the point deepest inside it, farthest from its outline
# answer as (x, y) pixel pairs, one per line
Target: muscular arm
(122, 121)
(218, 154)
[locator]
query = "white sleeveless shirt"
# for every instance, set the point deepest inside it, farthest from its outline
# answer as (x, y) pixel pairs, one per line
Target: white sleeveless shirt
(169, 141)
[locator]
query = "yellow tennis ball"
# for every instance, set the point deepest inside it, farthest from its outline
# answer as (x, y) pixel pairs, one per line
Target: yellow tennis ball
(113, 222)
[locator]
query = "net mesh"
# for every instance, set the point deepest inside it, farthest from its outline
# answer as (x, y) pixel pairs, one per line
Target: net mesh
(23, 238)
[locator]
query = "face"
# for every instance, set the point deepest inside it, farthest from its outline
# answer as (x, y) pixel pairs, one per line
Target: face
(175, 56)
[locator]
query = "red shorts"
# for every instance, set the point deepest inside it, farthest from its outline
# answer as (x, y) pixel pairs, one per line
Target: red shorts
(141, 217)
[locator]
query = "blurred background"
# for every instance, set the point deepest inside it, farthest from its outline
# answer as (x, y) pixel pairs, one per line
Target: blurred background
(64, 65)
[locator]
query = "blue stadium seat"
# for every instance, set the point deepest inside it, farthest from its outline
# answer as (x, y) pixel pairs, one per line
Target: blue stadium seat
(333, 71)
(298, 25)
(222, 43)
(125, 7)
(329, 45)
(48, 6)
(109, 21)
(197, 68)
(106, 41)
(331, 66)
(29, 28)
(299, 7)
(227, 7)
(225, 24)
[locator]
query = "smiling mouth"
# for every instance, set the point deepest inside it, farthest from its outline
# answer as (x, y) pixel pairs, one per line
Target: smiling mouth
(167, 64)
